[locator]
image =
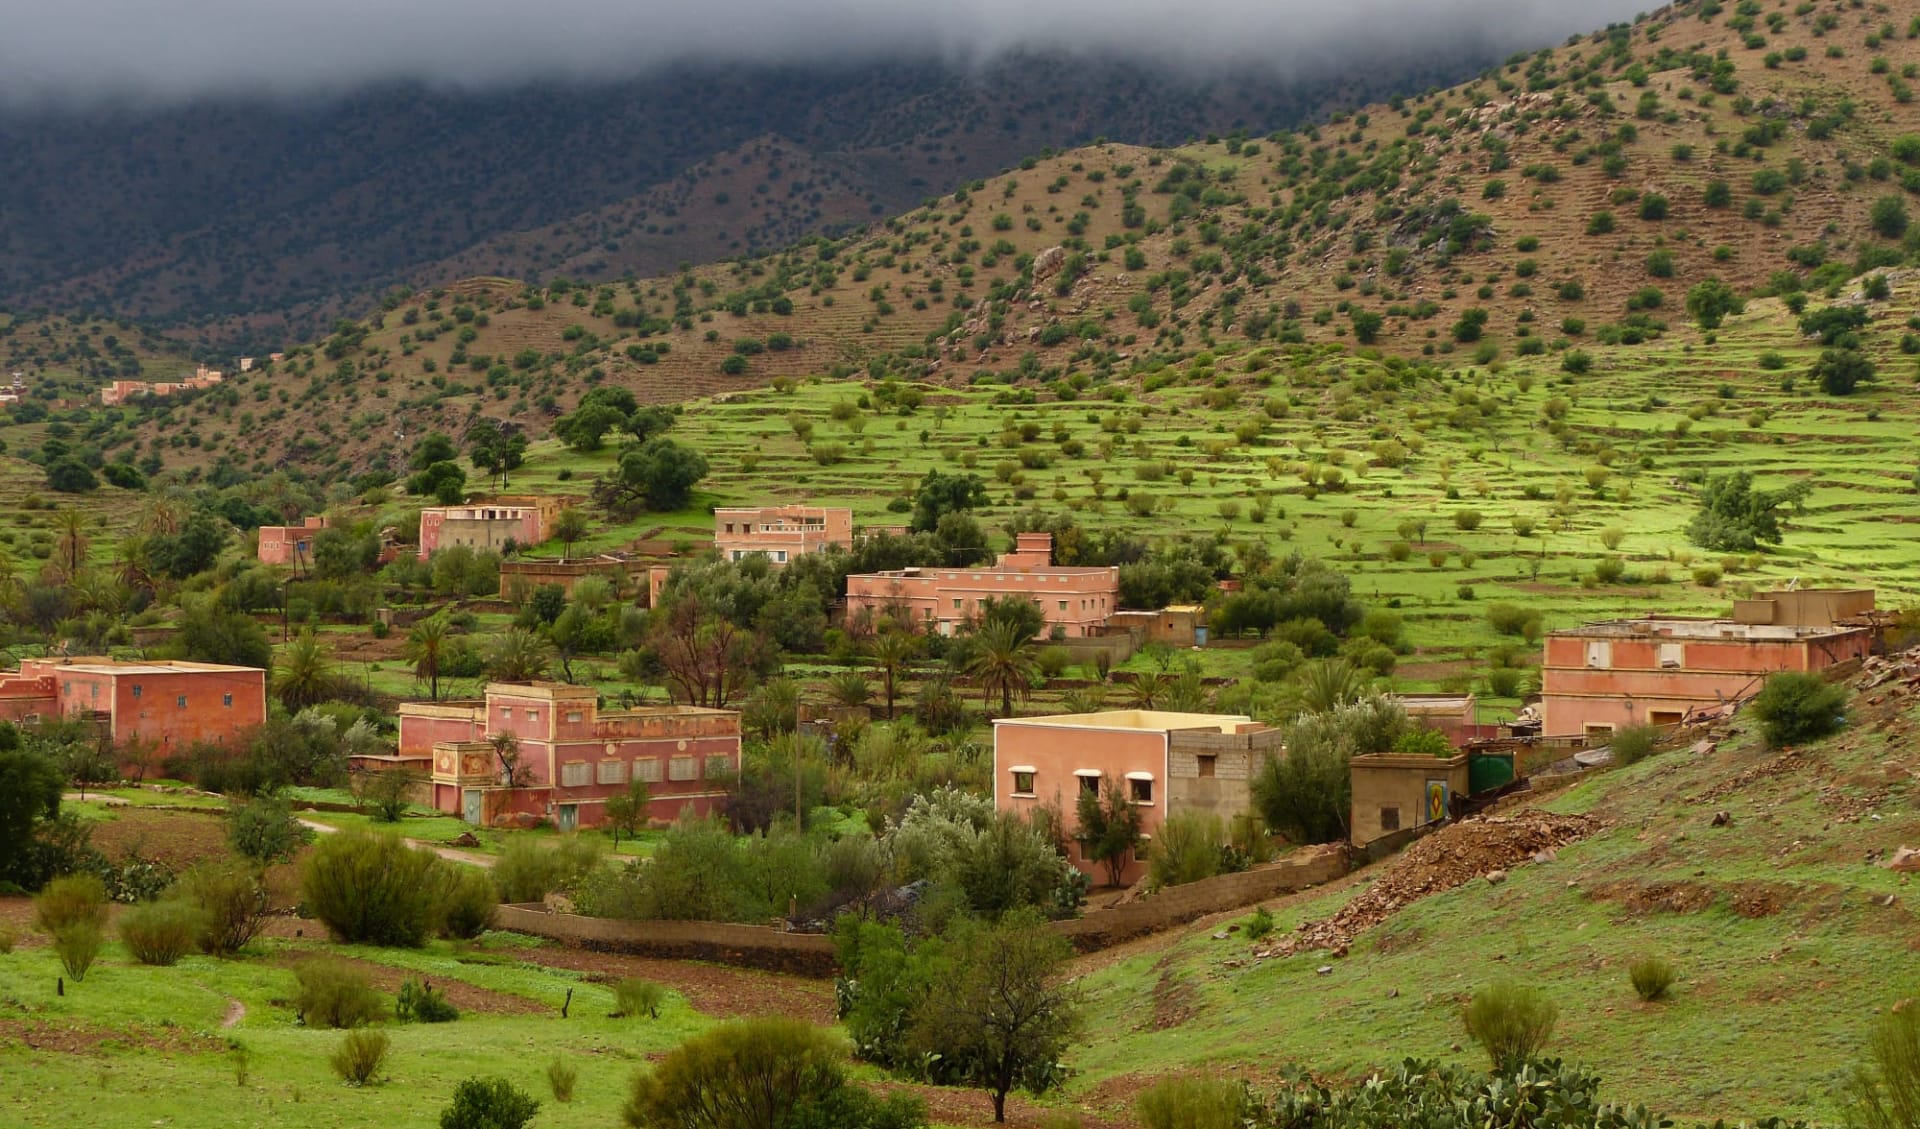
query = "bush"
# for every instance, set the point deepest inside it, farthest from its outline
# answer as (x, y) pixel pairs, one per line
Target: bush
(77, 944)
(360, 1056)
(1885, 1094)
(371, 888)
(634, 997)
(230, 902)
(754, 1070)
(1651, 977)
(527, 871)
(1192, 1103)
(77, 899)
(264, 830)
(856, 1107)
(160, 933)
(488, 1103)
(1259, 924)
(561, 1076)
(1511, 1022)
(1633, 744)
(1188, 848)
(333, 993)
(418, 1002)
(467, 903)
(9, 937)
(1793, 707)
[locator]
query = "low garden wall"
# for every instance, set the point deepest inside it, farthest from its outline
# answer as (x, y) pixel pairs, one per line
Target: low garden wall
(811, 954)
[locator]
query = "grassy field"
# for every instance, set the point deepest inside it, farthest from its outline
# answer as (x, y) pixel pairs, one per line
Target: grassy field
(1788, 940)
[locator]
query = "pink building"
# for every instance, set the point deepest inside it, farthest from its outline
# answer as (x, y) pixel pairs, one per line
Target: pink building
(169, 705)
(1656, 671)
(289, 544)
(780, 533)
(521, 520)
(570, 754)
(120, 391)
(1167, 762)
(1076, 601)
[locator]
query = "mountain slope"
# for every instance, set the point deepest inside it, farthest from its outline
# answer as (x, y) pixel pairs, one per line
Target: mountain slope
(259, 220)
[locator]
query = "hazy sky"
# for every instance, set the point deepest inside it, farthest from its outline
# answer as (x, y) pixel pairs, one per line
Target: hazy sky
(173, 48)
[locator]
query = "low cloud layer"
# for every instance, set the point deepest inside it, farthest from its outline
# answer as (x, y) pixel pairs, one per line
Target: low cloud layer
(168, 49)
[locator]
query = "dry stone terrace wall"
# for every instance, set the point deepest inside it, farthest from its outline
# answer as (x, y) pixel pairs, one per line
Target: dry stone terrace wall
(811, 954)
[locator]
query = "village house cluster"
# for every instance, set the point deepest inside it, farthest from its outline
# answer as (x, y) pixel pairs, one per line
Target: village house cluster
(120, 391)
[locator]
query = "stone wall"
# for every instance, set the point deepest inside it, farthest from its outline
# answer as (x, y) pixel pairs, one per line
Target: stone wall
(1311, 866)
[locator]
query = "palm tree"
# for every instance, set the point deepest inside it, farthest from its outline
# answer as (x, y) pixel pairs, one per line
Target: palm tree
(71, 527)
(426, 646)
(1327, 684)
(893, 652)
(518, 656)
(1002, 662)
(301, 678)
(850, 689)
(1148, 689)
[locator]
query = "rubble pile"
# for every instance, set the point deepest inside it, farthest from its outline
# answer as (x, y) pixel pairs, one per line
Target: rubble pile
(1450, 857)
(1899, 674)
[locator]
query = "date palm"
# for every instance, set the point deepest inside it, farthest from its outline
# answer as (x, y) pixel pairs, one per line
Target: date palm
(893, 652)
(1002, 662)
(426, 648)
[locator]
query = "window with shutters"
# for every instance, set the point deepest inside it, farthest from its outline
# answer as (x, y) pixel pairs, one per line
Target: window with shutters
(647, 769)
(576, 774)
(612, 772)
(683, 768)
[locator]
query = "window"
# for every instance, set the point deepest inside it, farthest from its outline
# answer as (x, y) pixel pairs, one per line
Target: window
(1389, 818)
(1022, 783)
(533, 715)
(611, 772)
(1207, 763)
(226, 700)
(576, 774)
(958, 603)
(181, 701)
(1600, 655)
(1599, 734)
(136, 689)
(683, 768)
(1063, 604)
(718, 764)
(1664, 717)
(1140, 791)
(1090, 784)
(1673, 655)
(647, 769)
(575, 716)
(506, 713)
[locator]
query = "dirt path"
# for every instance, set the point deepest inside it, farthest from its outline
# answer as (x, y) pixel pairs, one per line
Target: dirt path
(713, 989)
(236, 1011)
(451, 854)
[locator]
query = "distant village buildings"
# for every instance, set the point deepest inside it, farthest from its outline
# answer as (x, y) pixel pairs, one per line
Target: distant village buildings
(1076, 602)
(548, 751)
(120, 391)
(490, 524)
(1664, 670)
(780, 533)
(288, 545)
(168, 704)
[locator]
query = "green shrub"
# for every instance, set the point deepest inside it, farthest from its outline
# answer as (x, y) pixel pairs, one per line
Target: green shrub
(333, 993)
(77, 943)
(74, 900)
(467, 903)
(9, 937)
(418, 1002)
(159, 933)
(1192, 1103)
(231, 903)
(1885, 1094)
(1651, 977)
(371, 888)
(1511, 1022)
(360, 1056)
(1793, 708)
(634, 997)
(1188, 848)
(561, 1076)
(1053, 661)
(1259, 924)
(527, 871)
(1633, 744)
(1423, 742)
(753, 1071)
(263, 829)
(489, 1103)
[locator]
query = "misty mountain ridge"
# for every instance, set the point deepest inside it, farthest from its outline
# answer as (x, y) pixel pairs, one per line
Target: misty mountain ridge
(256, 222)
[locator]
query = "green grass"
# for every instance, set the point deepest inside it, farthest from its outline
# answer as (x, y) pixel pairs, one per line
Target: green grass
(1769, 1013)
